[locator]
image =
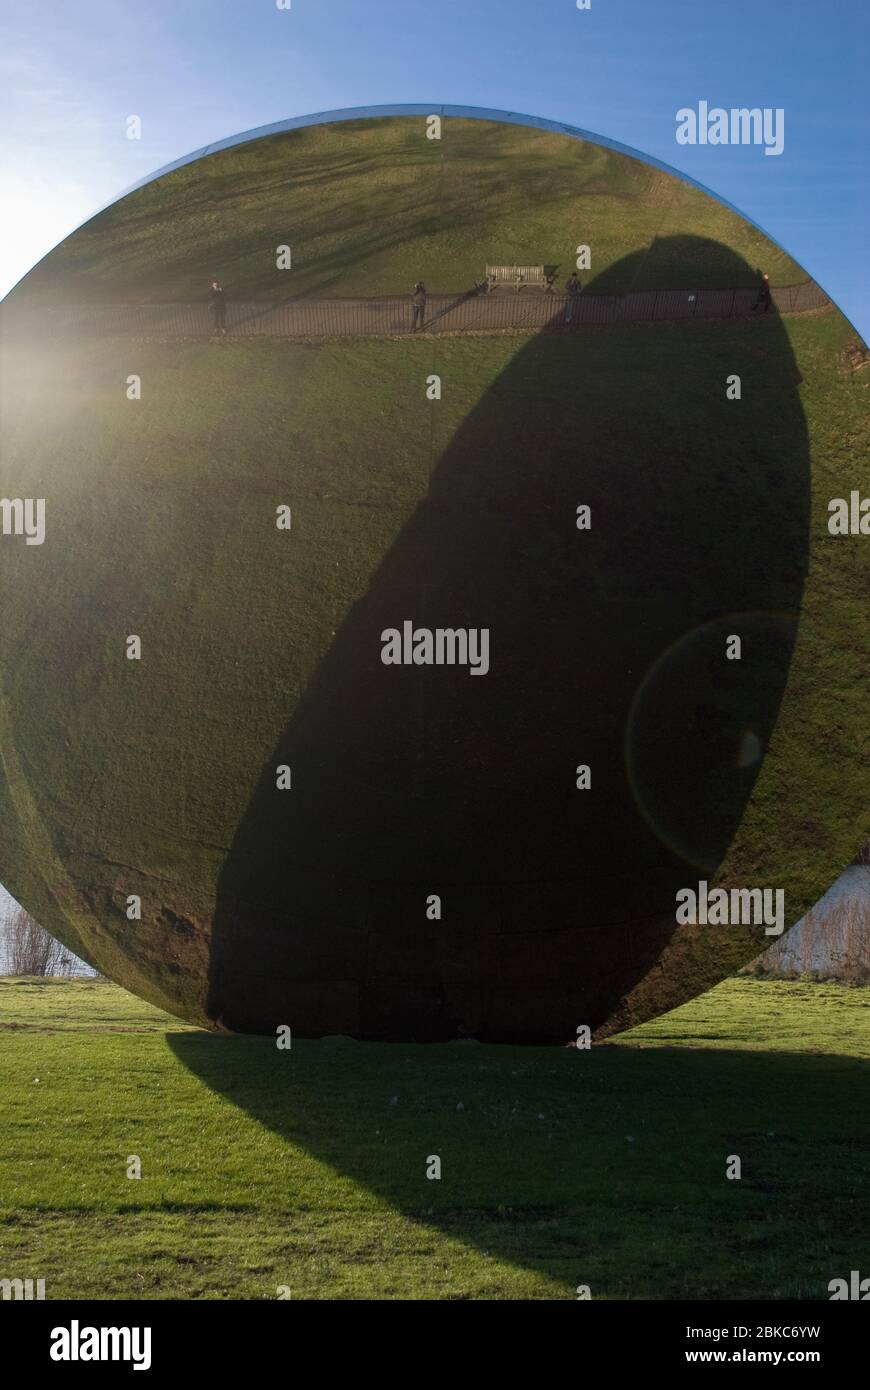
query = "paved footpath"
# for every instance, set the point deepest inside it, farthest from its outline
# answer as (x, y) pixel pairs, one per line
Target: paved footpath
(503, 311)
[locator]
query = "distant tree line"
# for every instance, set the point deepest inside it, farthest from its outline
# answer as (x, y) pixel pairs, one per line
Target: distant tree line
(831, 944)
(30, 950)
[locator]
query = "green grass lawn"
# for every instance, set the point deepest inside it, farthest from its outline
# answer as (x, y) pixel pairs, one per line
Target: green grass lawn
(560, 1167)
(369, 206)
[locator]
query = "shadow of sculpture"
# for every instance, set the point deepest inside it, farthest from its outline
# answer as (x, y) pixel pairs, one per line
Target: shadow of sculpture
(435, 871)
(604, 1168)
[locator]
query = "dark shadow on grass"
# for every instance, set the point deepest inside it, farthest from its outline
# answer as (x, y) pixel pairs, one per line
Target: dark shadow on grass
(606, 1168)
(700, 261)
(416, 781)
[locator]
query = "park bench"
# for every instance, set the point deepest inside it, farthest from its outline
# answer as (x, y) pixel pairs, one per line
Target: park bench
(516, 275)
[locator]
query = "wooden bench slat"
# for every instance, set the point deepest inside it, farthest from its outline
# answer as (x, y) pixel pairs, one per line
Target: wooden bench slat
(511, 272)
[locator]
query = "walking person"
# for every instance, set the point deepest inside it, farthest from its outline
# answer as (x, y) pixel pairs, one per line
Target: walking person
(572, 289)
(418, 300)
(763, 294)
(217, 307)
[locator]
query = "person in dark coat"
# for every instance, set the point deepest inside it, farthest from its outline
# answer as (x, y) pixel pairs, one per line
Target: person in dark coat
(572, 289)
(763, 299)
(418, 299)
(217, 306)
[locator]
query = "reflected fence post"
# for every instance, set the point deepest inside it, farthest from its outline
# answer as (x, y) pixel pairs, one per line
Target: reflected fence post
(468, 311)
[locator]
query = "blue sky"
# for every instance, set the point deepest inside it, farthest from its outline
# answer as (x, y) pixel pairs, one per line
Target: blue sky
(199, 70)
